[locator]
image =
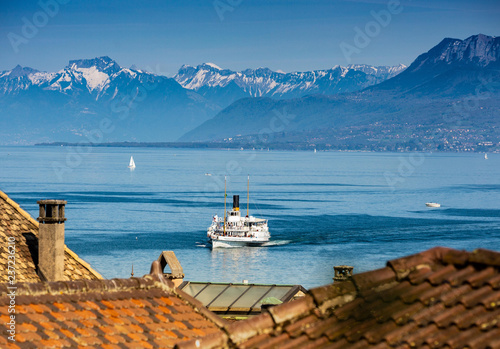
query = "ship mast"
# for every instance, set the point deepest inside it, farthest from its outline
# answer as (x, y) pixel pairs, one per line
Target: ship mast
(248, 193)
(225, 195)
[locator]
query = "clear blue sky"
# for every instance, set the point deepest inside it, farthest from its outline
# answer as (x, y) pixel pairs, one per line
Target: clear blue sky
(281, 34)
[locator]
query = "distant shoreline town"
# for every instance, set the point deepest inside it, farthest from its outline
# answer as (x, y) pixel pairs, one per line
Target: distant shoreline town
(477, 146)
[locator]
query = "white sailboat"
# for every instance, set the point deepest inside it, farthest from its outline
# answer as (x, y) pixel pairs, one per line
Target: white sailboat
(485, 156)
(131, 165)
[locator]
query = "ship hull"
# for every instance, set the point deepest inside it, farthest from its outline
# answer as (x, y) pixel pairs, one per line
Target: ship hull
(235, 242)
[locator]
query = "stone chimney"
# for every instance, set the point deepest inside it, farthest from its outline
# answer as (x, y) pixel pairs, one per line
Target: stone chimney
(51, 240)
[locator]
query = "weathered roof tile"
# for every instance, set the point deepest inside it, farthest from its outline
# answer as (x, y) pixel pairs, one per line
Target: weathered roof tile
(292, 310)
(243, 330)
(481, 276)
(440, 298)
(369, 280)
(122, 312)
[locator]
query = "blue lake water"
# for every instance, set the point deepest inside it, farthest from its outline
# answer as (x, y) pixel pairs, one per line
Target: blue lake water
(324, 208)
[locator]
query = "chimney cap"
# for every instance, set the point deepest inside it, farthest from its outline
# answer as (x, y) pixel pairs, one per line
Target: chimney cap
(342, 272)
(51, 202)
(51, 211)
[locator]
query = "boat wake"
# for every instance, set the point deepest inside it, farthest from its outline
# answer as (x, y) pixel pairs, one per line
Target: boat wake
(277, 243)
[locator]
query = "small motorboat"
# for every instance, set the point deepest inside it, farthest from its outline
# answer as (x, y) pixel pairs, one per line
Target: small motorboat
(432, 204)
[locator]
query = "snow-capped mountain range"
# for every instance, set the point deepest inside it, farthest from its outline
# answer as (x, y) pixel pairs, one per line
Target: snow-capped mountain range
(137, 105)
(146, 106)
(264, 82)
(453, 84)
(66, 105)
(94, 76)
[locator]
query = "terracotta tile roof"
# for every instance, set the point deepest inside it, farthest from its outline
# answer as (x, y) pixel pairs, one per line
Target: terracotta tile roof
(18, 224)
(440, 298)
(143, 312)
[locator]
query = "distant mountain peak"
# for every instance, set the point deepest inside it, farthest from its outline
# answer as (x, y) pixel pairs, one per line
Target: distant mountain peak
(212, 65)
(441, 66)
(102, 64)
(477, 50)
(19, 71)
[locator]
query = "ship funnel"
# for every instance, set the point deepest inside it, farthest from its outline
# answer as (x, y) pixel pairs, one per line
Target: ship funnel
(236, 202)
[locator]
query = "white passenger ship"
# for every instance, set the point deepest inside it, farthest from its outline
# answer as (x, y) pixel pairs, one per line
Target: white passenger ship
(233, 230)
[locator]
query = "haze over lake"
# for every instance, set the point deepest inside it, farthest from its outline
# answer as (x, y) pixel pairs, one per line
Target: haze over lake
(324, 208)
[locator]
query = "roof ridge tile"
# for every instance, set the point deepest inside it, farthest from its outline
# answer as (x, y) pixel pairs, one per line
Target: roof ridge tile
(483, 256)
(456, 257)
(243, 330)
(370, 280)
(87, 286)
(403, 266)
(333, 295)
(296, 309)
